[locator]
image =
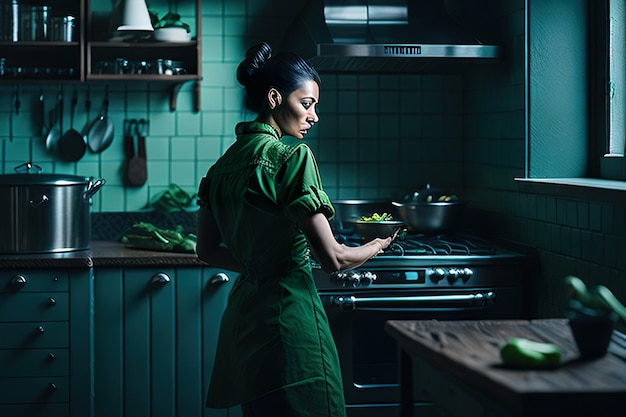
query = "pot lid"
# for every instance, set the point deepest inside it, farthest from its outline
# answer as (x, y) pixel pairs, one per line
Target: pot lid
(42, 179)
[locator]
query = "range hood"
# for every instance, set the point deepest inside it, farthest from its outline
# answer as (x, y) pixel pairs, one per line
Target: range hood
(386, 36)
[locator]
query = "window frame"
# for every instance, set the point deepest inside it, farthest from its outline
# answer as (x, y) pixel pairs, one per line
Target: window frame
(603, 164)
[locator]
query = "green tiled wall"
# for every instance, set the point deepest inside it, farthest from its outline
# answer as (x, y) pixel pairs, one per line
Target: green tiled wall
(379, 135)
(577, 231)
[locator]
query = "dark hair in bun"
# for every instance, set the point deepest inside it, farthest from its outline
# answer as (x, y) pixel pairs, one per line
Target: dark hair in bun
(259, 71)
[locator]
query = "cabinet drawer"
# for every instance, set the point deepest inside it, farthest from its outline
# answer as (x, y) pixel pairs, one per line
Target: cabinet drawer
(34, 390)
(34, 280)
(43, 306)
(34, 335)
(31, 410)
(34, 362)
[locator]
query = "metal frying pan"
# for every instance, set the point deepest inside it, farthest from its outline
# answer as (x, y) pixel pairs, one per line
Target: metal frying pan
(72, 144)
(100, 134)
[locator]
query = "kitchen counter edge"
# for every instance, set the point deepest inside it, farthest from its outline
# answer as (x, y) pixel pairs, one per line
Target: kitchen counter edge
(101, 254)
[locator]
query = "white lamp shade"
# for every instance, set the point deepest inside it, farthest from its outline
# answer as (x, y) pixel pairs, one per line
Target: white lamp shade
(131, 15)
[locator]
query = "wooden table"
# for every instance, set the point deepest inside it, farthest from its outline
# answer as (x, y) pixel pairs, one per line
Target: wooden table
(457, 365)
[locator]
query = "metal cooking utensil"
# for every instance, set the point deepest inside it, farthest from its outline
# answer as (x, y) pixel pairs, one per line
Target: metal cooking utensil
(43, 130)
(135, 150)
(56, 124)
(72, 144)
(100, 134)
(372, 229)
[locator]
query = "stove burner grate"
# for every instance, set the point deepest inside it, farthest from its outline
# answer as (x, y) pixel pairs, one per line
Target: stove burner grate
(424, 245)
(440, 245)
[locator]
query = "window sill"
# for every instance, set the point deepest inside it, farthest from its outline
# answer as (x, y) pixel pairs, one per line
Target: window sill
(579, 188)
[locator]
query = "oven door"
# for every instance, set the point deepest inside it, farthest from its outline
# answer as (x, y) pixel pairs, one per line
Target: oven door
(369, 357)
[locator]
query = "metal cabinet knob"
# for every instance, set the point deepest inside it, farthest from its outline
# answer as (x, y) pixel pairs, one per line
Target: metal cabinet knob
(19, 281)
(52, 386)
(219, 278)
(161, 278)
(51, 356)
(52, 301)
(40, 329)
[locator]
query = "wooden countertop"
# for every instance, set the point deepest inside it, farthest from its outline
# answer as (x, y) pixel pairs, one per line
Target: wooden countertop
(106, 253)
(469, 351)
(101, 254)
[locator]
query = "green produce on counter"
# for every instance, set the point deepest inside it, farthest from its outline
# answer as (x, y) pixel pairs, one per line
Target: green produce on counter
(174, 199)
(147, 236)
(525, 353)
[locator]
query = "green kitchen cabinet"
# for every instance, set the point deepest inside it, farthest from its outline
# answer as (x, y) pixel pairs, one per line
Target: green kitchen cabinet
(45, 342)
(155, 335)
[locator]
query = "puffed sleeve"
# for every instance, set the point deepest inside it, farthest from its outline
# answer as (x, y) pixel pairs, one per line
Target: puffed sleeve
(300, 187)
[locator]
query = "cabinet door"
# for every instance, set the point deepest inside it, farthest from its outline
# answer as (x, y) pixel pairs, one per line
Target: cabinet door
(217, 285)
(152, 353)
(134, 338)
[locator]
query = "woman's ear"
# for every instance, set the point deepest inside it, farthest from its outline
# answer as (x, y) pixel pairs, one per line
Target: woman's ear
(274, 98)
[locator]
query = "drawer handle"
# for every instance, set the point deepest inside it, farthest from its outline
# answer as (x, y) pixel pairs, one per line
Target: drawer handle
(219, 278)
(40, 329)
(19, 281)
(52, 301)
(161, 278)
(52, 356)
(52, 386)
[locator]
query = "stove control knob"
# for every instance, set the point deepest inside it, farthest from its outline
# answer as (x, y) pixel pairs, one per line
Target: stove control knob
(453, 275)
(437, 274)
(353, 278)
(466, 273)
(368, 277)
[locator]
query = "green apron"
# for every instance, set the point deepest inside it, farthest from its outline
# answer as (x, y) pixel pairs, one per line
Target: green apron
(274, 333)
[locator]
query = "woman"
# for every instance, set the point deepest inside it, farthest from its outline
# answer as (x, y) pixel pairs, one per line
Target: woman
(262, 207)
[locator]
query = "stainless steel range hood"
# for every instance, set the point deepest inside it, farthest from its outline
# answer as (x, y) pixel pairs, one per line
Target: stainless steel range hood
(385, 36)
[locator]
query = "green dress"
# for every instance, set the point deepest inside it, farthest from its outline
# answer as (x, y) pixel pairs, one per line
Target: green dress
(274, 333)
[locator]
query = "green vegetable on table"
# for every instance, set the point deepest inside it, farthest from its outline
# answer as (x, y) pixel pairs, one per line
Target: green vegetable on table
(525, 353)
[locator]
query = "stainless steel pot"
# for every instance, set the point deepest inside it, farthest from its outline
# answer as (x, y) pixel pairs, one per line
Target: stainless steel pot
(46, 213)
(432, 218)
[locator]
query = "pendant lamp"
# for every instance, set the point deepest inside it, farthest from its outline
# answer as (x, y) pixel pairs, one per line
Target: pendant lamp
(131, 16)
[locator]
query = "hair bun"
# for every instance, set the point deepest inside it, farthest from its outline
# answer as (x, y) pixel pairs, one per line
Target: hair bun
(255, 59)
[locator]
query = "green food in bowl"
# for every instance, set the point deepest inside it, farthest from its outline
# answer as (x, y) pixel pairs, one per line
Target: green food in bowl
(375, 217)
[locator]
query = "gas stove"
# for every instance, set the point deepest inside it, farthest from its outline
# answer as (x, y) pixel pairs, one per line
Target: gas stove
(424, 261)
(449, 277)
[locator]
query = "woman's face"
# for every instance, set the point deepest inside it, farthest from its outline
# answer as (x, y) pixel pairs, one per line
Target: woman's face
(296, 114)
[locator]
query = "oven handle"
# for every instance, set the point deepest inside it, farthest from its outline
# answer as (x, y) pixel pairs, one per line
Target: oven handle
(351, 302)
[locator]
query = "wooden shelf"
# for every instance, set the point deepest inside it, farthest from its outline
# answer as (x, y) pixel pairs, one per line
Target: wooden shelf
(26, 61)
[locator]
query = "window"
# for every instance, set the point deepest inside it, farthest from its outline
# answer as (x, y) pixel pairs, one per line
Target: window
(611, 78)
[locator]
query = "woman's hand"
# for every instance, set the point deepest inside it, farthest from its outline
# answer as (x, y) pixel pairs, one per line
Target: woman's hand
(332, 255)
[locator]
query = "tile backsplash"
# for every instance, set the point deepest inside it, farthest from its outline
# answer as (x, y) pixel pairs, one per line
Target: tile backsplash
(379, 136)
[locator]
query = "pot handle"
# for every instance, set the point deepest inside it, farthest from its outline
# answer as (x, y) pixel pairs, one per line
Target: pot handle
(93, 187)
